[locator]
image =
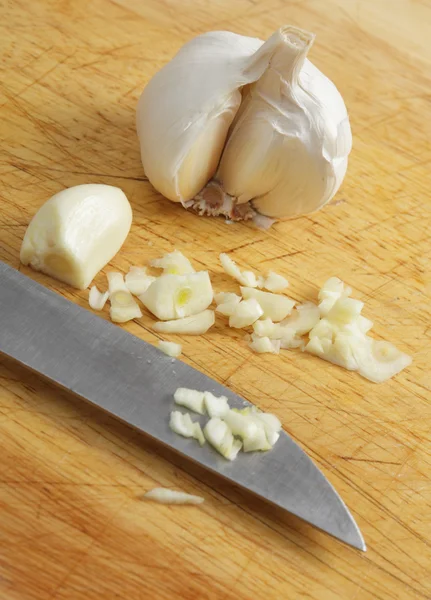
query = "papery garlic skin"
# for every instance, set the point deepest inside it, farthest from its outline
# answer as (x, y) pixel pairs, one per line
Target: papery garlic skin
(288, 150)
(77, 232)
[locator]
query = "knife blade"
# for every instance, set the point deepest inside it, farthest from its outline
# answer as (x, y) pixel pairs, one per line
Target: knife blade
(134, 381)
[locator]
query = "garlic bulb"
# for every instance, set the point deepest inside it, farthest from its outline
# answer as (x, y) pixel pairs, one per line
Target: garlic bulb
(77, 232)
(236, 126)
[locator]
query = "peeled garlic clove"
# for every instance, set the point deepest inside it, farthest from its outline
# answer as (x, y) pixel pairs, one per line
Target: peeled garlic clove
(178, 296)
(77, 232)
(220, 437)
(287, 151)
(137, 281)
(303, 319)
(227, 298)
(245, 313)
(192, 399)
(263, 345)
(174, 263)
(185, 111)
(170, 348)
(379, 360)
(194, 325)
(216, 406)
(96, 299)
(230, 267)
(274, 282)
(274, 306)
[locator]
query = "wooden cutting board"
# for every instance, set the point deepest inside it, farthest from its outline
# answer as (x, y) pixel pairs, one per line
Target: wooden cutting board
(73, 524)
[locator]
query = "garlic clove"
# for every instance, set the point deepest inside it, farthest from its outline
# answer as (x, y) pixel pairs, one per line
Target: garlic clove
(274, 306)
(170, 348)
(173, 263)
(178, 296)
(263, 345)
(77, 232)
(303, 319)
(192, 399)
(96, 299)
(193, 325)
(245, 313)
(137, 281)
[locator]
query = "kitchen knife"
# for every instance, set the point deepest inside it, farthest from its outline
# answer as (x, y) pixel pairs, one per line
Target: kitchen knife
(134, 381)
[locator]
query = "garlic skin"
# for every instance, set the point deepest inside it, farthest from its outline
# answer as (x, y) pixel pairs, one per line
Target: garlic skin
(279, 150)
(77, 232)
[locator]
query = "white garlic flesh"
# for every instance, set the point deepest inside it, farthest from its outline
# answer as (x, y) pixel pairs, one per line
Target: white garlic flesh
(236, 126)
(97, 299)
(170, 348)
(193, 325)
(173, 263)
(77, 232)
(274, 306)
(245, 313)
(137, 281)
(178, 296)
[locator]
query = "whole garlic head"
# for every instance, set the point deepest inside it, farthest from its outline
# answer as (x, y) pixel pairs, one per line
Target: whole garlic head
(243, 128)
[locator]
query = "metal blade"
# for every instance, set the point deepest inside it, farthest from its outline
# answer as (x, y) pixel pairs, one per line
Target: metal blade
(125, 376)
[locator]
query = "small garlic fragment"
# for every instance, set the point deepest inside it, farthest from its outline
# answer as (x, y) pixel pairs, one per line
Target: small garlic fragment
(182, 424)
(331, 291)
(178, 296)
(265, 328)
(274, 306)
(245, 313)
(122, 314)
(345, 310)
(77, 232)
(303, 318)
(227, 298)
(379, 360)
(257, 442)
(193, 325)
(137, 281)
(220, 437)
(96, 299)
(170, 348)
(275, 282)
(227, 308)
(174, 263)
(231, 268)
(241, 425)
(165, 496)
(191, 399)
(264, 344)
(216, 406)
(119, 294)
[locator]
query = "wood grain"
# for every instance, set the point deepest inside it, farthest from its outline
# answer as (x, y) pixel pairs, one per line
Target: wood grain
(74, 525)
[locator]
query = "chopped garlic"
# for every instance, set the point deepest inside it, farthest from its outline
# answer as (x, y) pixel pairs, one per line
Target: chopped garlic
(194, 325)
(245, 313)
(379, 360)
(265, 328)
(270, 423)
(274, 306)
(178, 296)
(191, 399)
(96, 299)
(174, 263)
(227, 308)
(216, 406)
(331, 291)
(227, 298)
(264, 344)
(137, 281)
(165, 496)
(257, 442)
(183, 425)
(220, 437)
(122, 314)
(119, 294)
(303, 318)
(345, 310)
(231, 268)
(241, 425)
(170, 348)
(275, 282)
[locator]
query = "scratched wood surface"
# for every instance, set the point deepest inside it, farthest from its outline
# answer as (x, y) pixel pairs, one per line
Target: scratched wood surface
(73, 524)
